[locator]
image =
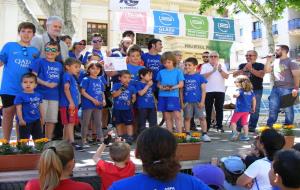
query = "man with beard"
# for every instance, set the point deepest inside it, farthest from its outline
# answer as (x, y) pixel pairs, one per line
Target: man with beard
(286, 76)
(255, 72)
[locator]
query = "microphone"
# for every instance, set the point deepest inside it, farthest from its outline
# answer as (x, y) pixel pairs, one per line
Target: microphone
(270, 55)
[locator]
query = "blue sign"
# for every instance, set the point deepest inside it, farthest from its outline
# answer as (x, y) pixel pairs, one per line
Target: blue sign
(223, 29)
(166, 23)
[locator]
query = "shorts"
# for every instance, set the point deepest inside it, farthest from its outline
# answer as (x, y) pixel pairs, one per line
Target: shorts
(240, 115)
(50, 110)
(168, 104)
(122, 117)
(33, 128)
(68, 116)
(191, 110)
(7, 100)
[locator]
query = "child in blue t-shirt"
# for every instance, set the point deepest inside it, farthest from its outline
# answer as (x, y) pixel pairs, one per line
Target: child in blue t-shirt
(194, 97)
(145, 100)
(49, 74)
(134, 58)
(93, 99)
(123, 94)
(29, 109)
(169, 81)
(69, 99)
(245, 103)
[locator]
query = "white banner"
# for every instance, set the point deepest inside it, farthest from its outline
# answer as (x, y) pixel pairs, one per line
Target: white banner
(115, 64)
(129, 5)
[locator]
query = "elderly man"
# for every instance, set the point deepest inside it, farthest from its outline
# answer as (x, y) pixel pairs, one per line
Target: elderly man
(255, 72)
(286, 75)
(215, 73)
(54, 26)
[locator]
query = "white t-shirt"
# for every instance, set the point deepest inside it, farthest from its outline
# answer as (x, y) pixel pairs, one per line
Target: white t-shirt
(259, 170)
(215, 82)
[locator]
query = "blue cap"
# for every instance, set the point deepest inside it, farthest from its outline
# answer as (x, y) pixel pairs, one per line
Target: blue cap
(234, 164)
(209, 174)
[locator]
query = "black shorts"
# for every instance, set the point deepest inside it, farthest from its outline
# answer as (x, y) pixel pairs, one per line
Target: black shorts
(7, 100)
(33, 128)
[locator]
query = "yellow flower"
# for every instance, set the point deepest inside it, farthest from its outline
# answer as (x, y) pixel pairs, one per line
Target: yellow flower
(277, 126)
(262, 128)
(23, 140)
(289, 126)
(196, 134)
(42, 140)
(3, 141)
(13, 143)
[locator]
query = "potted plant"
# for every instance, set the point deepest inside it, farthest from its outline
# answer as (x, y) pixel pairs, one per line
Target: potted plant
(21, 155)
(188, 147)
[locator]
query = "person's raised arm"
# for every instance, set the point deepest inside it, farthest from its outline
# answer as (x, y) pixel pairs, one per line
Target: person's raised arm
(296, 77)
(99, 151)
(268, 65)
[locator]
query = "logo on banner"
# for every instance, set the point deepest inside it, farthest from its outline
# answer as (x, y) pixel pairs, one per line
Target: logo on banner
(136, 21)
(166, 19)
(130, 2)
(166, 23)
(224, 26)
(196, 23)
(196, 26)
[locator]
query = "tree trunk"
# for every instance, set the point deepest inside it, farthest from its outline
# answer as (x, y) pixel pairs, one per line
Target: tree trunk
(269, 34)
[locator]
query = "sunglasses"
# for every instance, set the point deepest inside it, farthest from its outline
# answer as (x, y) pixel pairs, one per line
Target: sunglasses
(96, 41)
(249, 55)
(204, 56)
(47, 49)
(213, 56)
(82, 44)
(25, 52)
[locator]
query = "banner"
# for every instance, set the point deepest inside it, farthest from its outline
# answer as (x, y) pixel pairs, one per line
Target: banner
(166, 23)
(136, 21)
(196, 26)
(115, 63)
(129, 5)
(223, 29)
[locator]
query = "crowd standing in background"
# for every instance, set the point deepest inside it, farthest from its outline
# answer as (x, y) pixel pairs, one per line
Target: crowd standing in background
(52, 87)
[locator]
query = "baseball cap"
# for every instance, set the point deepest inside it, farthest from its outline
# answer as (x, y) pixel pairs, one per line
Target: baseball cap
(209, 174)
(234, 164)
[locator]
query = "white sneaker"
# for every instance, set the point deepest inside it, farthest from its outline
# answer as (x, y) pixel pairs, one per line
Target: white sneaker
(205, 138)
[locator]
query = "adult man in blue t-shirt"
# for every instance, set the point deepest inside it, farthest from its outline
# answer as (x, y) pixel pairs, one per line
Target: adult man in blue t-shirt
(152, 59)
(255, 72)
(97, 42)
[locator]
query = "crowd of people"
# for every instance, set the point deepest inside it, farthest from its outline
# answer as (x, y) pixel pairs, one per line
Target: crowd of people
(52, 86)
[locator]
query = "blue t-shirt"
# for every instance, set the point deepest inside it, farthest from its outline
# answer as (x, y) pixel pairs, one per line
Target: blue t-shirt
(17, 60)
(94, 51)
(123, 102)
(49, 72)
(192, 92)
(147, 100)
(95, 88)
(244, 101)
(145, 182)
(152, 62)
(68, 78)
(72, 54)
(30, 105)
(169, 78)
(134, 71)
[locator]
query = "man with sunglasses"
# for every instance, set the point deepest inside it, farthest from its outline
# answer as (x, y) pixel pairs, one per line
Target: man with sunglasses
(215, 73)
(255, 72)
(54, 26)
(205, 60)
(16, 57)
(97, 42)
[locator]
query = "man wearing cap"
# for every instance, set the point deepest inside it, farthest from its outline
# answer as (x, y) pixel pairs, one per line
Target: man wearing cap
(210, 174)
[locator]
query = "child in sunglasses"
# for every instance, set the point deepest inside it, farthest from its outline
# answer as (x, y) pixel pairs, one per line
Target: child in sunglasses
(49, 74)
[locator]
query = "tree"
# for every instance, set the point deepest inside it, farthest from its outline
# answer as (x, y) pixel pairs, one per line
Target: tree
(61, 8)
(266, 11)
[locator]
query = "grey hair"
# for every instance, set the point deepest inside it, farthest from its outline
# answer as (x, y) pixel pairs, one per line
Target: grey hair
(52, 19)
(214, 53)
(255, 52)
(177, 52)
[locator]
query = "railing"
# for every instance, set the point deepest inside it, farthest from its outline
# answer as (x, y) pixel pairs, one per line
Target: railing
(256, 34)
(294, 24)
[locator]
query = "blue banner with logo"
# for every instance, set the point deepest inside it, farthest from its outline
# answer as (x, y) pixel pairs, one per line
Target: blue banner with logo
(223, 29)
(166, 23)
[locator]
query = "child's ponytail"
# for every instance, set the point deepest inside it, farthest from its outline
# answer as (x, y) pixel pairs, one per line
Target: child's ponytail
(52, 162)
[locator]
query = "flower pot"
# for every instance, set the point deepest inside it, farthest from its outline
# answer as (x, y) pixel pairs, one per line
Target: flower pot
(19, 162)
(289, 142)
(188, 151)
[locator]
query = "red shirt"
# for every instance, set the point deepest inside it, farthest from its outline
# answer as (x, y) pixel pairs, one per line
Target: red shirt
(65, 184)
(110, 173)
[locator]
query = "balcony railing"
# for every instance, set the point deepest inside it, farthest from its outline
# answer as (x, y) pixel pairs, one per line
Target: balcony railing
(294, 24)
(256, 34)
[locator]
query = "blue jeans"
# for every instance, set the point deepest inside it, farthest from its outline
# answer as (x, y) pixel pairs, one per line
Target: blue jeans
(274, 106)
(254, 116)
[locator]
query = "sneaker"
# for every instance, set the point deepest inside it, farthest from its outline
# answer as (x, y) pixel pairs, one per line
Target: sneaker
(244, 138)
(234, 136)
(86, 145)
(205, 138)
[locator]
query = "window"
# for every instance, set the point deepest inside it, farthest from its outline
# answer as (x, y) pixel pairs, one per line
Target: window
(241, 31)
(274, 29)
(42, 22)
(100, 28)
(143, 39)
(256, 26)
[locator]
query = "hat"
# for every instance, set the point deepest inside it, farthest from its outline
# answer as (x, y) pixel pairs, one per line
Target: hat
(234, 164)
(209, 174)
